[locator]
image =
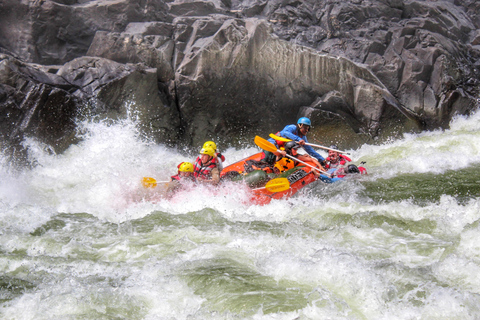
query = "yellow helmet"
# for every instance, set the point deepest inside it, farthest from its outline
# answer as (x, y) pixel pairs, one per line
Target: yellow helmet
(208, 150)
(210, 144)
(185, 167)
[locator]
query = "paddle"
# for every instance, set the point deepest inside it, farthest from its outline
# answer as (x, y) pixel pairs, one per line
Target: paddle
(268, 146)
(276, 185)
(148, 182)
(308, 144)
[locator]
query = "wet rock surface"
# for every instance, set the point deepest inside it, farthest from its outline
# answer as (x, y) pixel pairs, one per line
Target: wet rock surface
(225, 70)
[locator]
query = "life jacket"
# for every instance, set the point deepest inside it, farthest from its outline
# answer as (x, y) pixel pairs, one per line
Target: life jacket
(341, 161)
(350, 169)
(203, 171)
(285, 164)
(279, 143)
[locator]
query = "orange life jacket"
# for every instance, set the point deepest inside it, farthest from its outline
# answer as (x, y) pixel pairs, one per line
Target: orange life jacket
(284, 164)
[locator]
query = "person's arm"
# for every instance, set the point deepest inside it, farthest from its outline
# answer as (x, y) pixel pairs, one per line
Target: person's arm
(219, 161)
(280, 154)
(215, 177)
(347, 159)
(305, 157)
(289, 133)
(173, 186)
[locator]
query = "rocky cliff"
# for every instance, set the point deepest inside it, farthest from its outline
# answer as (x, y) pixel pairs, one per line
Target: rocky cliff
(225, 69)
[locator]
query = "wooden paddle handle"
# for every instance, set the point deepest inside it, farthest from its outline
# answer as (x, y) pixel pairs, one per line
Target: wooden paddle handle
(325, 148)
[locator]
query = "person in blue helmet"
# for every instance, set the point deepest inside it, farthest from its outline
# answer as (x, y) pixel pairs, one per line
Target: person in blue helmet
(296, 133)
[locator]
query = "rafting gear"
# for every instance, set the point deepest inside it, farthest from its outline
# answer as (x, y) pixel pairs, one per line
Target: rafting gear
(291, 145)
(185, 167)
(304, 120)
(208, 151)
(204, 171)
(210, 144)
(284, 164)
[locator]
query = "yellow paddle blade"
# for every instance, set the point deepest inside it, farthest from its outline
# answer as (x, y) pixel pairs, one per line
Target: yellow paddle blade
(148, 182)
(279, 138)
(278, 185)
(265, 145)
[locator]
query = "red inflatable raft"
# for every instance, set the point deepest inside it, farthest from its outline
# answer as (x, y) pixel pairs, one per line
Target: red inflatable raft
(298, 177)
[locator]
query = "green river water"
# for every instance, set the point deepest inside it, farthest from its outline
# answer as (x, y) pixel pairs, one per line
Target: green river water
(81, 239)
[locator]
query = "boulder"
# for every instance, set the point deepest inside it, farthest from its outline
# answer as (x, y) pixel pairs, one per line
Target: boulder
(35, 104)
(400, 41)
(155, 51)
(226, 69)
(119, 91)
(54, 32)
(243, 78)
(47, 106)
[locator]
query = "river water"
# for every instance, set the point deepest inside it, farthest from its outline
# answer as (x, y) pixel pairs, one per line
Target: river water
(81, 239)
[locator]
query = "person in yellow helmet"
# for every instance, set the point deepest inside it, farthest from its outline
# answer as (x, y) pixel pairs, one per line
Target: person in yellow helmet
(219, 158)
(205, 169)
(185, 172)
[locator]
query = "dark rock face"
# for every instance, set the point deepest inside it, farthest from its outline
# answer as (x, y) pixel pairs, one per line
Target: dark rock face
(47, 106)
(33, 103)
(267, 80)
(223, 69)
(420, 50)
(54, 32)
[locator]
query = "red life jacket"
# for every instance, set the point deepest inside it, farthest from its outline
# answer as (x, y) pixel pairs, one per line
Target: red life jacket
(279, 142)
(203, 171)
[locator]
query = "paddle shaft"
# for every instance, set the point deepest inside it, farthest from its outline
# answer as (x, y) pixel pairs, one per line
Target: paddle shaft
(324, 172)
(149, 182)
(158, 181)
(325, 148)
(308, 144)
(268, 146)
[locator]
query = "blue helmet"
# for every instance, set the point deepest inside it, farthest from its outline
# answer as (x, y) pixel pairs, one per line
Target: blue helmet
(304, 120)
